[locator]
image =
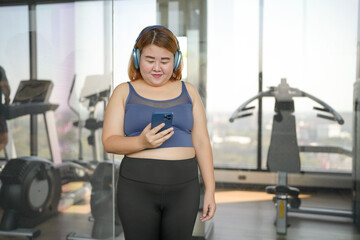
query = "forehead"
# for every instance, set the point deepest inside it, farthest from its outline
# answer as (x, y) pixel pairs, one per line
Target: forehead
(155, 51)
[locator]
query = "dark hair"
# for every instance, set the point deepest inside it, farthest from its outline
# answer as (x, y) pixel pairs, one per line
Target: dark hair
(160, 37)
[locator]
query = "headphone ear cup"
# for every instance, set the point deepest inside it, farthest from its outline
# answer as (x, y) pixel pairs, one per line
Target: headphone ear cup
(177, 60)
(136, 58)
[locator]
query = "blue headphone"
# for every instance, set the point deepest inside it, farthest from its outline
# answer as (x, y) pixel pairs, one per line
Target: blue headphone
(136, 52)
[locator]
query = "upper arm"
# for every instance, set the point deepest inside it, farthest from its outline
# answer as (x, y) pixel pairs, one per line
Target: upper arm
(115, 112)
(199, 132)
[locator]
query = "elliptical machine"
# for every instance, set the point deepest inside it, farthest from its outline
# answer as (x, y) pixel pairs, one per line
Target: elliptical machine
(31, 186)
(96, 91)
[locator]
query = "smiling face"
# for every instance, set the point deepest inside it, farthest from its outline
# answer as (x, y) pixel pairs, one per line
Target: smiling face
(156, 65)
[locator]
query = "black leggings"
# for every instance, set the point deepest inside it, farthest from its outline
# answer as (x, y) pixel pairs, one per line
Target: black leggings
(158, 199)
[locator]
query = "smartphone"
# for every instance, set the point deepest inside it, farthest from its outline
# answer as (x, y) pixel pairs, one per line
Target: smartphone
(162, 117)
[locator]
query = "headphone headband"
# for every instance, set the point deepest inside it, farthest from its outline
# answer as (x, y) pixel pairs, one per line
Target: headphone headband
(154, 27)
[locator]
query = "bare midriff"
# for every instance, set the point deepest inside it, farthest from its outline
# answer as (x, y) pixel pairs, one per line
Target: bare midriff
(173, 153)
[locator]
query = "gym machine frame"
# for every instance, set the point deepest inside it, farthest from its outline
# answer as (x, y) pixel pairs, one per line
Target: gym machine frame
(31, 186)
(287, 198)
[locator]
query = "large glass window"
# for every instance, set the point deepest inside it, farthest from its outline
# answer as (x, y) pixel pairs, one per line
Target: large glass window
(62, 60)
(125, 34)
(311, 44)
(14, 59)
(58, 62)
(232, 79)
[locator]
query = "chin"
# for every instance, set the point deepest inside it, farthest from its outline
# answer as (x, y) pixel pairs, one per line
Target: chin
(158, 81)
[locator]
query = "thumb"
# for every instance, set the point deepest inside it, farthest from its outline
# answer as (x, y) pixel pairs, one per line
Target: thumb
(147, 128)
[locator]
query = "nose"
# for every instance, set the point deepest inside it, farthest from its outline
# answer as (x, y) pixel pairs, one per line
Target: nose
(156, 66)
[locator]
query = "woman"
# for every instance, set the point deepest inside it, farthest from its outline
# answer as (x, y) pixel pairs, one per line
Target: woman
(158, 188)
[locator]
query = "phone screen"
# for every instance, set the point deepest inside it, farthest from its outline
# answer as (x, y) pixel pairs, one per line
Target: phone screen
(162, 117)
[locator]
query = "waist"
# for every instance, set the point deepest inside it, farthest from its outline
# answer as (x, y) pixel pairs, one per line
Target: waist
(171, 153)
(178, 139)
(159, 171)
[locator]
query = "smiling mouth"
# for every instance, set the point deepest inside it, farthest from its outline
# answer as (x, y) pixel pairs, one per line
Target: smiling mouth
(156, 75)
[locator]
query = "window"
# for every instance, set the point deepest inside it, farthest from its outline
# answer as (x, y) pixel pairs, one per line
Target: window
(311, 44)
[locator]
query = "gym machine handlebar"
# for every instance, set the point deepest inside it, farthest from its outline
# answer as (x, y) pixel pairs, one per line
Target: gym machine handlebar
(283, 92)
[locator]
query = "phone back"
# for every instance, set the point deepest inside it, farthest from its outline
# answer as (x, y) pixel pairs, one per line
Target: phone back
(162, 117)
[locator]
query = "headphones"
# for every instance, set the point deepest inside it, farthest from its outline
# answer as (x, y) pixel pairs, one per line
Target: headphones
(136, 52)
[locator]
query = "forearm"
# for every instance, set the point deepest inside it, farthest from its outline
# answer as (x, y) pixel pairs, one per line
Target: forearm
(205, 162)
(123, 145)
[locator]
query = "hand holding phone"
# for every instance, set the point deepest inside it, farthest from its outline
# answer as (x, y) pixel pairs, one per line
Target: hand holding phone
(161, 117)
(155, 134)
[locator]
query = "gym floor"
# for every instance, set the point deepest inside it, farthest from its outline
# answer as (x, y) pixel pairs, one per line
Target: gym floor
(241, 214)
(250, 215)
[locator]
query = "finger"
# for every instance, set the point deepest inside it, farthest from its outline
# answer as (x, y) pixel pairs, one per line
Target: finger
(210, 212)
(168, 135)
(146, 132)
(162, 139)
(148, 127)
(205, 211)
(163, 133)
(204, 214)
(204, 219)
(166, 131)
(157, 128)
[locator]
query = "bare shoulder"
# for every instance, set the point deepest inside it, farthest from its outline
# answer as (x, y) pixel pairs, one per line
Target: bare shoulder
(121, 90)
(120, 93)
(190, 86)
(192, 90)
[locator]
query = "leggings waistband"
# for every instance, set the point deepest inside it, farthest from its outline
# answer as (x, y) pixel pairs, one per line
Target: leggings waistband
(159, 171)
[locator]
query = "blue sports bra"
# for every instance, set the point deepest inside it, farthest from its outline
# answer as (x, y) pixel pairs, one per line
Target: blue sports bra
(138, 112)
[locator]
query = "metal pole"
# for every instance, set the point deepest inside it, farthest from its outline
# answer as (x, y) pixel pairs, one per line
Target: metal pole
(33, 76)
(358, 45)
(260, 80)
(356, 135)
